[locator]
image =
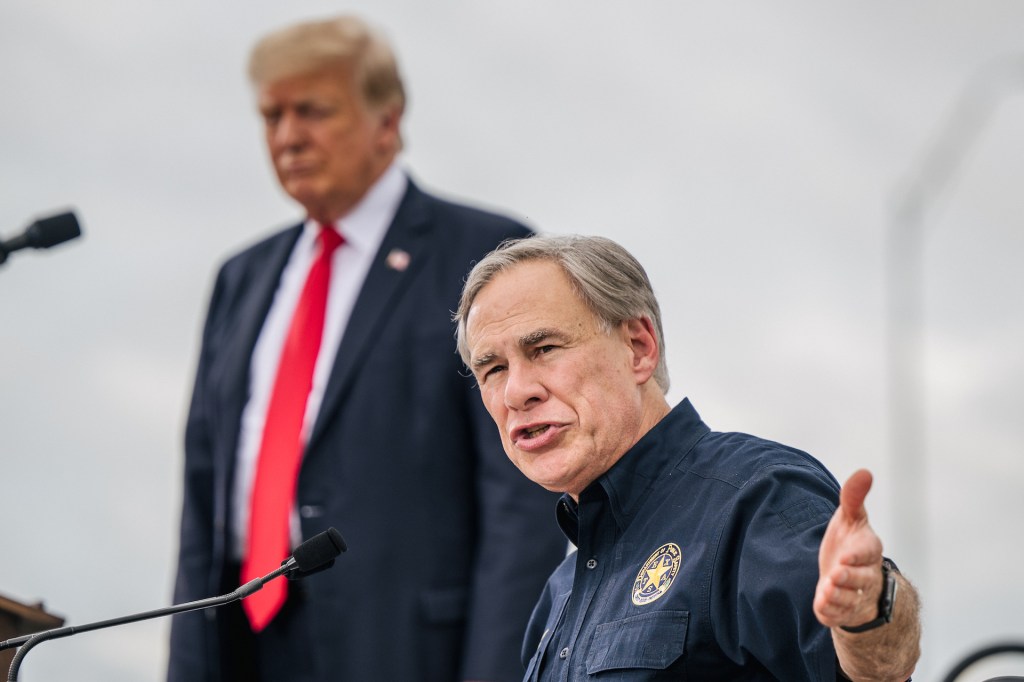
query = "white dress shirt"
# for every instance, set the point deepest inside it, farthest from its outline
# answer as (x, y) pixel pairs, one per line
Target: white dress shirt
(363, 229)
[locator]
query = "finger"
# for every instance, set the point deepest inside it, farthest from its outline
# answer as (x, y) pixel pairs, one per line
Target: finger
(834, 605)
(851, 497)
(857, 582)
(859, 548)
(865, 556)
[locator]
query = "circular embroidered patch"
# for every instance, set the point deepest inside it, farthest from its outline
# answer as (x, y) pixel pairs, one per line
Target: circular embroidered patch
(657, 574)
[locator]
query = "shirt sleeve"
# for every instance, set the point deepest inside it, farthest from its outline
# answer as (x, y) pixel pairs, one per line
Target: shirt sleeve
(767, 572)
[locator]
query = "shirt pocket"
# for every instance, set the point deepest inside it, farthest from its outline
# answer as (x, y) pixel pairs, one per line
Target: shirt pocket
(651, 641)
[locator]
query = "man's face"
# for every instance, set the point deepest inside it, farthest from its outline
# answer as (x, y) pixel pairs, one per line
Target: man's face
(327, 147)
(564, 393)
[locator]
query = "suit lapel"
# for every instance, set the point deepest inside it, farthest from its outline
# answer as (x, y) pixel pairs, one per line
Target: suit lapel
(409, 232)
(255, 296)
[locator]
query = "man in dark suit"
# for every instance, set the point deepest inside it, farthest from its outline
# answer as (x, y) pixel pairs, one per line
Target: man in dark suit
(329, 393)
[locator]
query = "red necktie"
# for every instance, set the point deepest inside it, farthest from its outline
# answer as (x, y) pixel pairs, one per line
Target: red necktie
(280, 454)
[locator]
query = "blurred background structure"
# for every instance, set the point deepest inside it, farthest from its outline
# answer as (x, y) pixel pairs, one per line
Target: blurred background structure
(826, 199)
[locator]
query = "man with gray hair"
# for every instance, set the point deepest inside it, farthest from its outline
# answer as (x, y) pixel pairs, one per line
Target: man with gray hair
(700, 555)
(328, 394)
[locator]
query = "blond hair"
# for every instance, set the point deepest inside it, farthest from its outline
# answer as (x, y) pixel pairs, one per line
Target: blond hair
(345, 43)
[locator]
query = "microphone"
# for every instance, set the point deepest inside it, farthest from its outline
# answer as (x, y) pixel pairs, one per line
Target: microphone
(43, 233)
(312, 556)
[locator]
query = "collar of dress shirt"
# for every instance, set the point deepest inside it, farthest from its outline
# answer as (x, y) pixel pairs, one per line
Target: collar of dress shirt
(365, 225)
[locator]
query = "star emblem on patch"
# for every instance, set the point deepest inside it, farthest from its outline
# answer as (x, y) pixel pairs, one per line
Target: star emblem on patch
(657, 574)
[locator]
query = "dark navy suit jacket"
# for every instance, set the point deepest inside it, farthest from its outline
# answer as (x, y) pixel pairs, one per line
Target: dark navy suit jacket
(449, 545)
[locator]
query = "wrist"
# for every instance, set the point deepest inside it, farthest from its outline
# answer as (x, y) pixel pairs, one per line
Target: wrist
(886, 601)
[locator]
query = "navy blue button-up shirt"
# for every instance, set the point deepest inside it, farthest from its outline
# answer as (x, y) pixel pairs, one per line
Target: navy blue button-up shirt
(697, 559)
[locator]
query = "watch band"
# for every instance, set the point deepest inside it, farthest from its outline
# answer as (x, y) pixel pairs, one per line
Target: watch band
(885, 601)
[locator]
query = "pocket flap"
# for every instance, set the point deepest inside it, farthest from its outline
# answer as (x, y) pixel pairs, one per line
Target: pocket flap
(651, 641)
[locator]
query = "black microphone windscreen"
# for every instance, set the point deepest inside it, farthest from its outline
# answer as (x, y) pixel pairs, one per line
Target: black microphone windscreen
(318, 550)
(51, 231)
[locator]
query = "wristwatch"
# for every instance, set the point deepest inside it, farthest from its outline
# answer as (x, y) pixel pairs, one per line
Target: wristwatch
(885, 601)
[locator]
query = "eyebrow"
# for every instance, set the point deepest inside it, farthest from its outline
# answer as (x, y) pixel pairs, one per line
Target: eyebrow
(485, 359)
(525, 341)
(533, 338)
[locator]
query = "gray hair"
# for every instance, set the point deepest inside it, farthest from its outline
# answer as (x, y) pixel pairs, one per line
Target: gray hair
(606, 277)
(345, 42)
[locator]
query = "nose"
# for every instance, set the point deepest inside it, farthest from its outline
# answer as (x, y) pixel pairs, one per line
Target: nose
(287, 132)
(523, 386)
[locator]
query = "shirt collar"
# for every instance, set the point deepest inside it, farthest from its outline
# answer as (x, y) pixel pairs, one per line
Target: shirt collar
(628, 483)
(365, 225)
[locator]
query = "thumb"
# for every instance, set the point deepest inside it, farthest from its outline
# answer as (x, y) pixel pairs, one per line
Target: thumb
(851, 497)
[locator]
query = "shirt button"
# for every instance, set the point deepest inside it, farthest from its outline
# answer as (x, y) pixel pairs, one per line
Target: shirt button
(591, 564)
(564, 653)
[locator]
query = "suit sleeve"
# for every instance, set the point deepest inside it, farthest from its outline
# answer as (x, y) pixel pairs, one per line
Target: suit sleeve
(189, 658)
(514, 513)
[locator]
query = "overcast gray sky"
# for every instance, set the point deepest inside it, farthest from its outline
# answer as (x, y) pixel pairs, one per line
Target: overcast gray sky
(748, 153)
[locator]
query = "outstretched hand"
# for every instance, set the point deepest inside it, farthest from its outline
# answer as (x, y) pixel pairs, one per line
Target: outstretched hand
(849, 560)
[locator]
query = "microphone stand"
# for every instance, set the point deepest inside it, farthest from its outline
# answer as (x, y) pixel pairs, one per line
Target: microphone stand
(29, 641)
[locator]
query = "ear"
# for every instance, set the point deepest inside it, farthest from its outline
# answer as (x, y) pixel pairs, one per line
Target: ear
(388, 133)
(643, 342)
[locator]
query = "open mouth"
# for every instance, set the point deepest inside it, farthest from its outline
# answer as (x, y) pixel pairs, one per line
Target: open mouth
(534, 431)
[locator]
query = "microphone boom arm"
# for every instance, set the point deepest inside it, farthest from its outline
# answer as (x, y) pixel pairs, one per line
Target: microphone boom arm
(28, 641)
(240, 593)
(310, 557)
